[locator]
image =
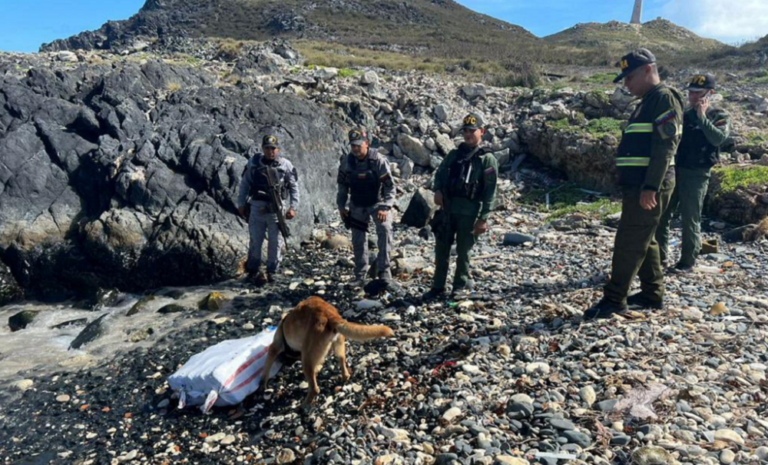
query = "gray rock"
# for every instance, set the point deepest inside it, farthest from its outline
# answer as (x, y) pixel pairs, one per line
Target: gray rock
(576, 437)
(420, 209)
(91, 332)
(414, 149)
(369, 78)
(442, 112)
(10, 291)
(517, 239)
(22, 319)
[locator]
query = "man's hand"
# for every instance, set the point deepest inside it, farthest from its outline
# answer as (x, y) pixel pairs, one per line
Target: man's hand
(290, 214)
(344, 213)
(648, 200)
(382, 215)
(438, 198)
(481, 227)
(701, 107)
(241, 210)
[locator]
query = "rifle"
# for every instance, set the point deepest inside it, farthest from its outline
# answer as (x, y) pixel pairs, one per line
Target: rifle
(276, 202)
(441, 222)
(351, 223)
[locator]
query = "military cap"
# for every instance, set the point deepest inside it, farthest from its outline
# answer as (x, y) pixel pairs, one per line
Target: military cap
(704, 81)
(270, 141)
(633, 61)
(472, 122)
(358, 136)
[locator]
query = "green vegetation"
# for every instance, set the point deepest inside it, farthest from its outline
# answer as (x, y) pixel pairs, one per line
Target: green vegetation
(346, 73)
(733, 177)
(601, 78)
(598, 128)
(602, 127)
(757, 138)
(568, 198)
(599, 209)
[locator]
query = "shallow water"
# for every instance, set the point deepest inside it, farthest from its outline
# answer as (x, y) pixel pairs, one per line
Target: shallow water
(39, 348)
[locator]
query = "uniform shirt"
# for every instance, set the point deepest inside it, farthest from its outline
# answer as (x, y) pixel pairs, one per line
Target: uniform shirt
(486, 167)
(380, 166)
(285, 167)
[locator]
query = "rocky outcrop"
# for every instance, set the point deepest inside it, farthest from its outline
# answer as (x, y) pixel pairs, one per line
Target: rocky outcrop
(126, 175)
(743, 205)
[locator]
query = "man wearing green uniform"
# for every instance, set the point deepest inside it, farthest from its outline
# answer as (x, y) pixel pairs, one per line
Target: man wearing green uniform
(705, 129)
(644, 162)
(465, 189)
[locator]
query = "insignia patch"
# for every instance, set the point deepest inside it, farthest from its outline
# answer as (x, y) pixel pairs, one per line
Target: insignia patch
(722, 122)
(470, 121)
(666, 116)
(490, 171)
(668, 130)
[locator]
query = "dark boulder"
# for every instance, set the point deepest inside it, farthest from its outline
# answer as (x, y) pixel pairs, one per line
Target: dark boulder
(126, 176)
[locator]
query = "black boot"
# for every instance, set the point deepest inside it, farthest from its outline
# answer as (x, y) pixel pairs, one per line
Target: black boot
(433, 294)
(641, 301)
(603, 309)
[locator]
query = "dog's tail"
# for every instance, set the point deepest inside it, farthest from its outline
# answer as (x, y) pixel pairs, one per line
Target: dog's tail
(364, 333)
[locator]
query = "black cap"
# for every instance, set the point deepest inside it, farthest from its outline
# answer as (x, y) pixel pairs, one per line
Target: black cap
(270, 141)
(472, 122)
(704, 81)
(357, 136)
(632, 61)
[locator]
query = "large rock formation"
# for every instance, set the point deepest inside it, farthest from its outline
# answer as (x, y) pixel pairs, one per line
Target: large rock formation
(126, 175)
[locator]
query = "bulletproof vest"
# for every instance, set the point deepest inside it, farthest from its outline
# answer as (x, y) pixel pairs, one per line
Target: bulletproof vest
(260, 184)
(695, 151)
(463, 178)
(364, 182)
(634, 153)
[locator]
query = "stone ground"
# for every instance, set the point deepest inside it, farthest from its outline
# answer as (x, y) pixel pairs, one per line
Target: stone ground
(509, 374)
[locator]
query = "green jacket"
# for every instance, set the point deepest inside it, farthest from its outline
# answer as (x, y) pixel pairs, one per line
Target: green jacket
(702, 138)
(484, 175)
(650, 140)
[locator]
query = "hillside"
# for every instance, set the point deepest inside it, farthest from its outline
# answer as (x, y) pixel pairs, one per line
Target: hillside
(432, 27)
(614, 37)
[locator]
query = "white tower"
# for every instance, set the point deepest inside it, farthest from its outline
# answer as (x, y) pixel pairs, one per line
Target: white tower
(637, 14)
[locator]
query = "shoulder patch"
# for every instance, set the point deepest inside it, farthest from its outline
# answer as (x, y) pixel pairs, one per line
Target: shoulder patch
(721, 122)
(490, 171)
(666, 116)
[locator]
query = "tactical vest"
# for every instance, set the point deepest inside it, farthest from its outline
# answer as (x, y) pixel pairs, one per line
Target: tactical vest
(695, 151)
(634, 153)
(260, 184)
(364, 182)
(464, 178)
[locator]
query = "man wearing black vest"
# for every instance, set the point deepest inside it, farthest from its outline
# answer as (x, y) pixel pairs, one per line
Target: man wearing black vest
(365, 181)
(644, 161)
(705, 129)
(262, 220)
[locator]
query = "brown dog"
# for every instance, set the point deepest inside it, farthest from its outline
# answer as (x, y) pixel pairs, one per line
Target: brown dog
(309, 331)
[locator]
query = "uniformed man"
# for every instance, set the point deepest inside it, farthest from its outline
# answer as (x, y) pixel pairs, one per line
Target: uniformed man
(262, 221)
(644, 161)
(365, 183)
(465, 183)
(705, 129)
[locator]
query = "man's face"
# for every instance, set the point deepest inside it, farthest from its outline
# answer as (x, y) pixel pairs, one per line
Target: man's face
(695, 96)
(473, 137)
(636, 82)
(270, 153)
(360, 151)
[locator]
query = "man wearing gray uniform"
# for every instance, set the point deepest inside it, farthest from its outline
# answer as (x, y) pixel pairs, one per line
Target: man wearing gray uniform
(365, 180)
(262, 221)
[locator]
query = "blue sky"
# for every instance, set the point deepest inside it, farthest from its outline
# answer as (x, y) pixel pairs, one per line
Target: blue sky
(25, 24)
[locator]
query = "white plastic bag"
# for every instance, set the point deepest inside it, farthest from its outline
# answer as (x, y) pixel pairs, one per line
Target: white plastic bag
(224, 374)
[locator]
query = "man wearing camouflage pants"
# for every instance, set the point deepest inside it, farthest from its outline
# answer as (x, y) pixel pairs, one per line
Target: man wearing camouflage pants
(365, 181)
(262, 222)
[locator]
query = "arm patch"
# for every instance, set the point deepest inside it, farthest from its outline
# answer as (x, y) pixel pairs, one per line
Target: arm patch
(666, 116)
